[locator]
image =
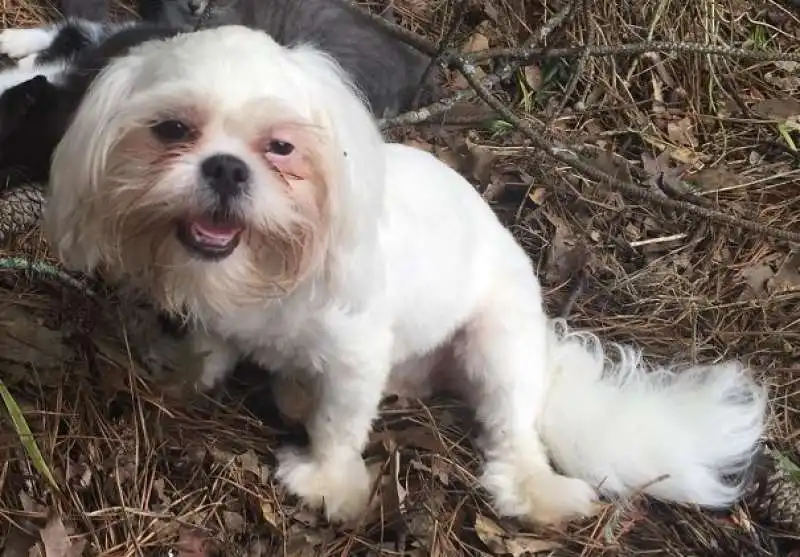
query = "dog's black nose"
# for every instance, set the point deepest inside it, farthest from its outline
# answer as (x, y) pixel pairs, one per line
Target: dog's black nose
(227, 175)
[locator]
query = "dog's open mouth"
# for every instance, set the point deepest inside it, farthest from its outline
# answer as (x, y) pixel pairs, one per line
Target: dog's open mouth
(210, 236)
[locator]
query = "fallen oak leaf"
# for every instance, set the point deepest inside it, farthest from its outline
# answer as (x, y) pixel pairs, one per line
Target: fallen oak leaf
(193, 543)
(787, 279)
(56, 539)
(476, 43)
(756, 278)
(680, 132)
(714, 178)
(501, 542)
(533, 77)
(785, 113)
(777, 109)
(661, 175)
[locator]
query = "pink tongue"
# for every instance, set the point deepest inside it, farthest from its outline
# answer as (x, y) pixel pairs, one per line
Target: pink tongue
(206, 231)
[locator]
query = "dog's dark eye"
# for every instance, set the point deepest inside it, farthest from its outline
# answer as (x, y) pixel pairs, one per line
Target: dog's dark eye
(172, 130)
(280, 148)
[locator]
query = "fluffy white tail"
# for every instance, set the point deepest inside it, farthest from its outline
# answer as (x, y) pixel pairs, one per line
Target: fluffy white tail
(681, 436)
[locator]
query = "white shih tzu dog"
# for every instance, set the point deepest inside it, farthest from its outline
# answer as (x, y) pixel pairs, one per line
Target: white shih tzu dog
(246, 185)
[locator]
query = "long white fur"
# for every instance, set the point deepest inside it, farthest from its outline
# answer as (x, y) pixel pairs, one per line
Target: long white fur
(415, 263)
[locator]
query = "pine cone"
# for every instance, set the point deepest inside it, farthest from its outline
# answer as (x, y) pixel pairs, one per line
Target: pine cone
(779, 503)
(20, 209)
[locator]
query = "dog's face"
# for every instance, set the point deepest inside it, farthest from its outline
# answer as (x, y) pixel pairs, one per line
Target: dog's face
(216, 167)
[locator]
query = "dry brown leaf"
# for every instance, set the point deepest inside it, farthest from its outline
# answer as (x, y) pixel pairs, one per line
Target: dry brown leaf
(476, 43)
(193, 543)
(614, 165)
(756, 277)
(251, 464)
(234, 522)
(420, 144)
(687, 156)
(422, 516)
(661, 175)
(501, 542)
(480, 161)
(78, 547)
(160, 486)
(562, 246)
(304, 542)
(680, 132)
(538, 195)
(533, 76)
(79, 474)
(418, 437)
(787, 278)
(777, 109)
(787, 84)
(714, 178)
(441, 469)
(490, 9)
(17, 543)
(393, 494)
(449, 157)
(270, 515)
(55, 538)
(24, 340)
(30, 505)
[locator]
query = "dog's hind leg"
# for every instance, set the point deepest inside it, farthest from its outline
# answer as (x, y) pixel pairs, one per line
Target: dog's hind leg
(503, 352)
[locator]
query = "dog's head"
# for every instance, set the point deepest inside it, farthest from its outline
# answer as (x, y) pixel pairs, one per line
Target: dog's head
(27, 129)
(218, 169)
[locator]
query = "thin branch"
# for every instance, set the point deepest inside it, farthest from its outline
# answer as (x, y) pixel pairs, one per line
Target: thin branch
(579, 66)
(443, 105)
(574, 160)
(458, 16)
(529, 54)
(420, 43)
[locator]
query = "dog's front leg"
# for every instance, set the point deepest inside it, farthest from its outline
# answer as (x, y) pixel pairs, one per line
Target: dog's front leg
(218, 356)
(332, 473)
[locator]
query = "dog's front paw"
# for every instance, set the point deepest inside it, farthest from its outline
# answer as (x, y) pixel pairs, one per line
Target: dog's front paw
(341, 485)
(20, 43)
(539, 497)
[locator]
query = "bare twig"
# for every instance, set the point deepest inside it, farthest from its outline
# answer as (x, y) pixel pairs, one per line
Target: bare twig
(577, 162)
(427, 112)
(579, 66)
(528, 54)
(458, 16)
(420, 43)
